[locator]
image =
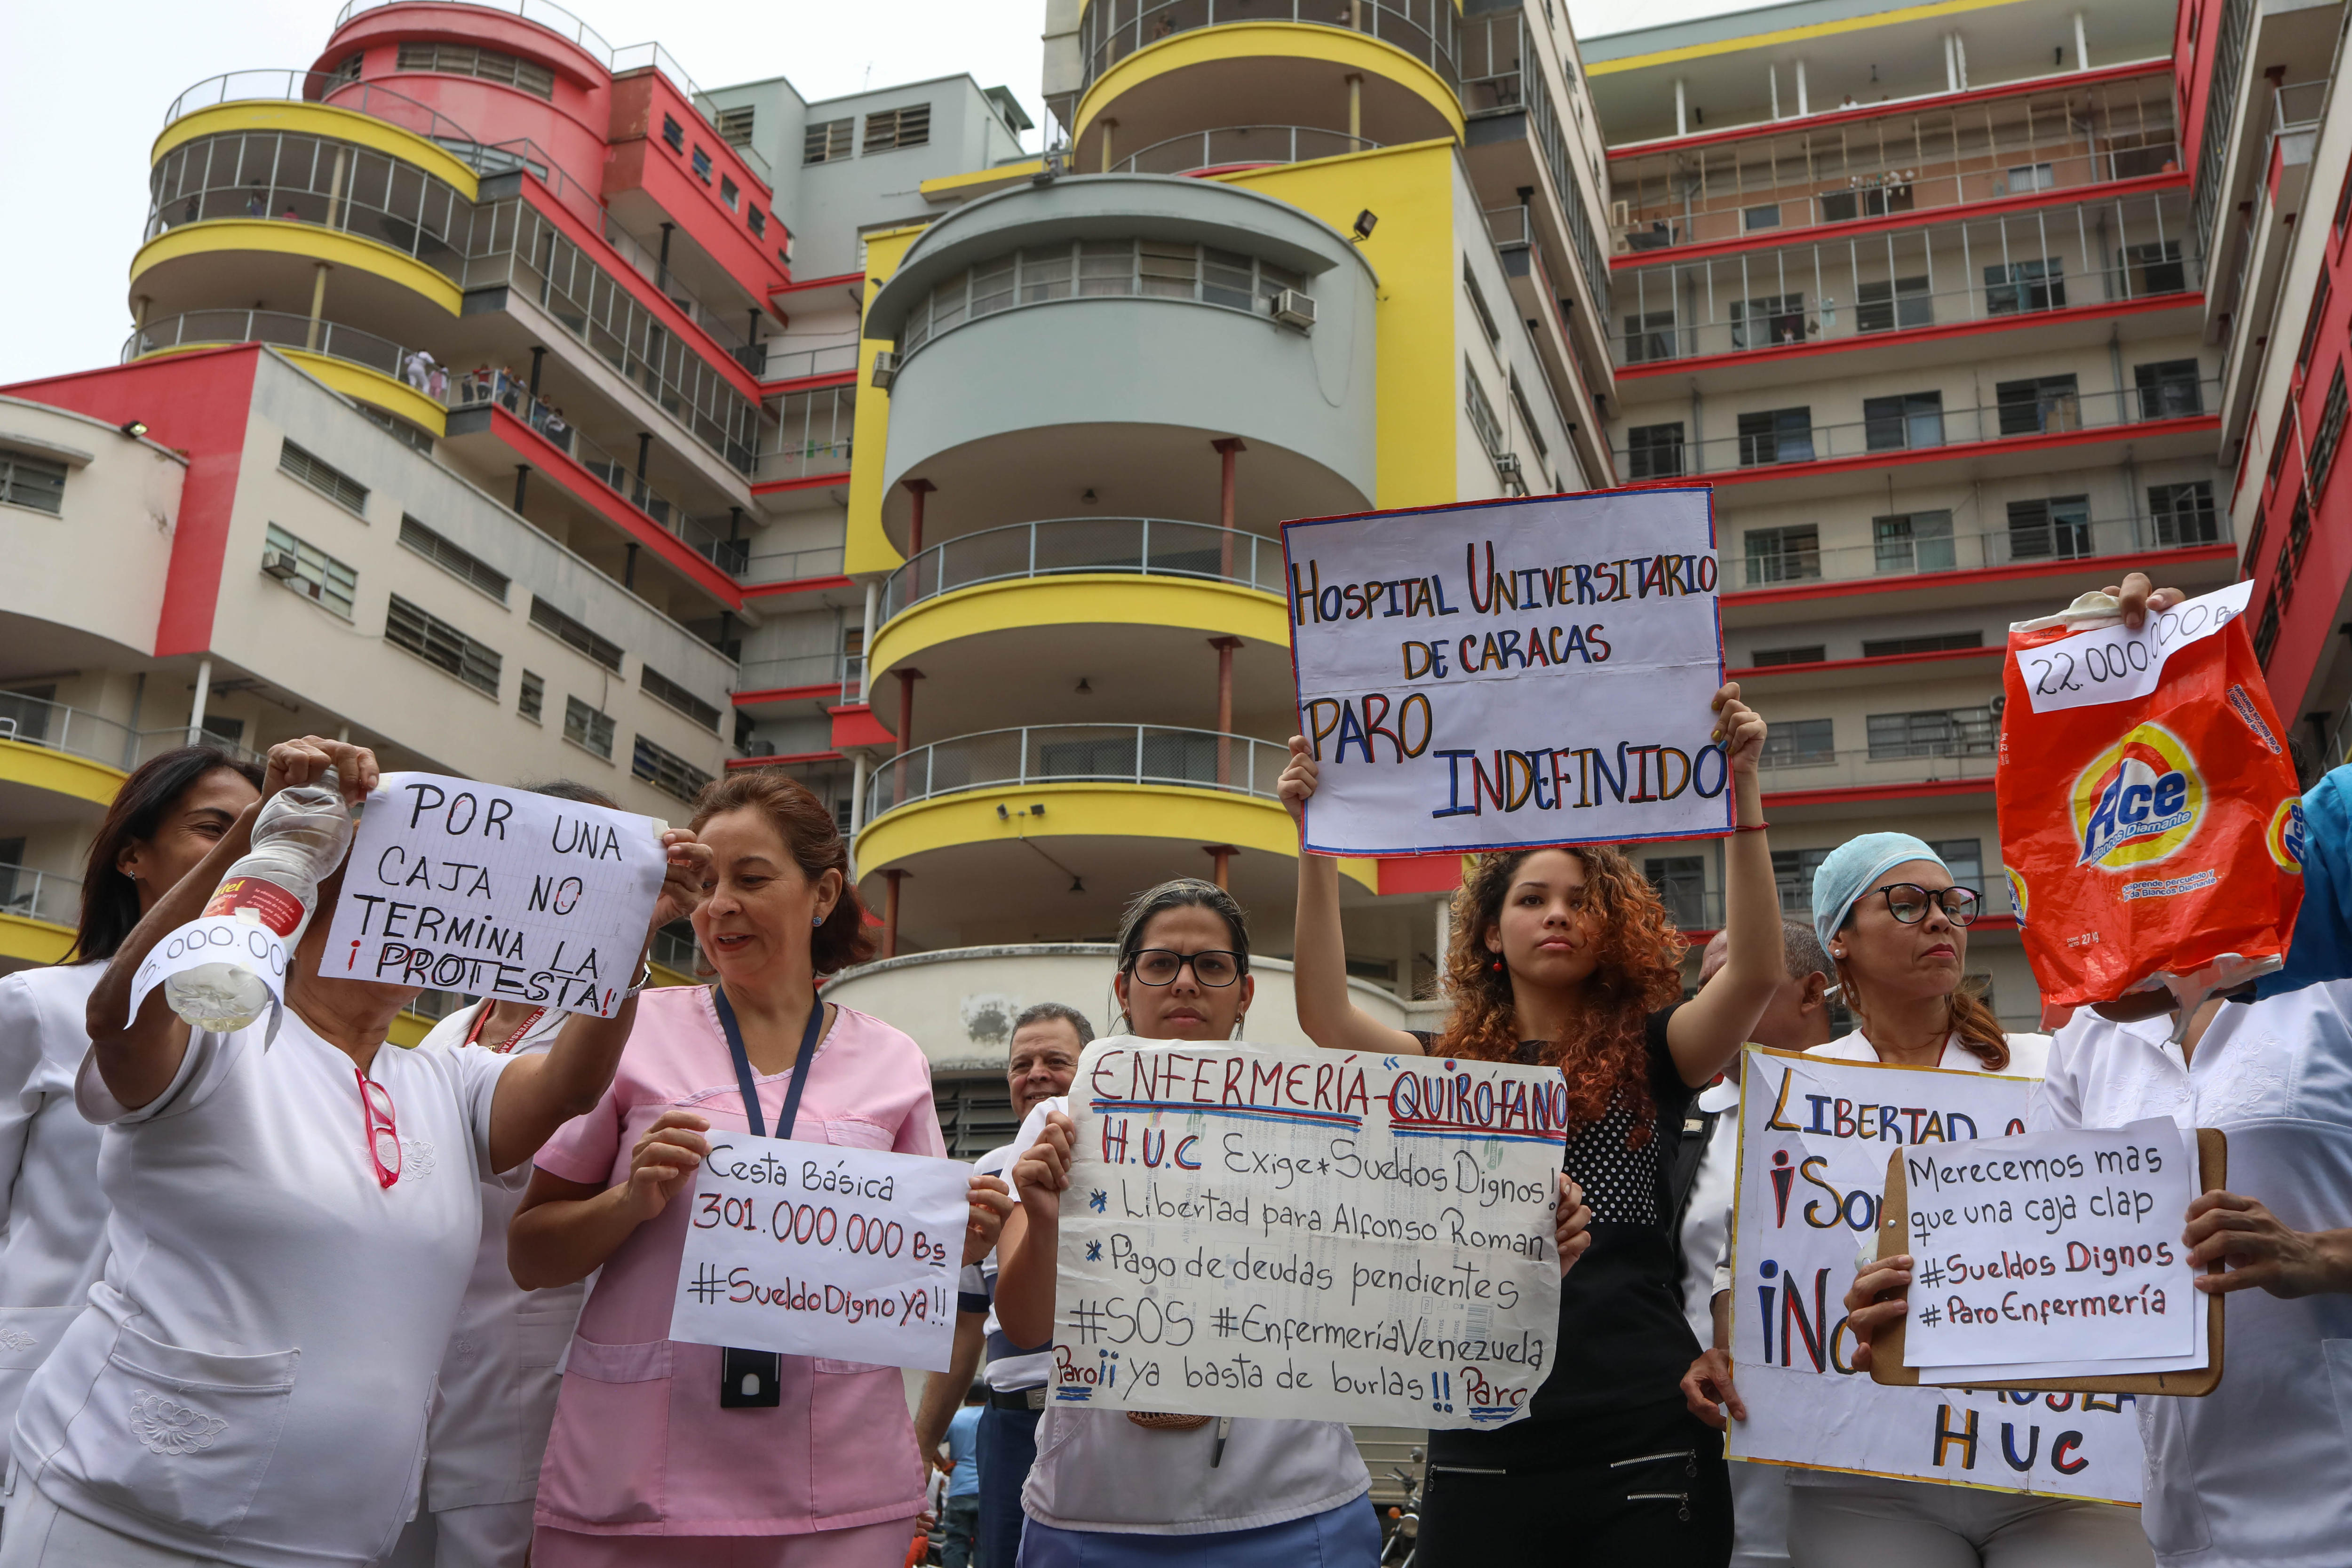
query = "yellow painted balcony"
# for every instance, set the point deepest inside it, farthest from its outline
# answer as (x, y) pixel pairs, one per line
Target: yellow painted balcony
(53, 756)
(376, 371)
(38, 913)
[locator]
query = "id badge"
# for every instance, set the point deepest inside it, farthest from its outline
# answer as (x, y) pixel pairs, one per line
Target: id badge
(750, 1380)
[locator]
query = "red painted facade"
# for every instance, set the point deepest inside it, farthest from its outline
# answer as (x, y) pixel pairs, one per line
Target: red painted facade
(197, 404)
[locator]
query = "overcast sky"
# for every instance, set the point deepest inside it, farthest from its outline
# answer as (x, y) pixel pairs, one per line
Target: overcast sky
(89, 81)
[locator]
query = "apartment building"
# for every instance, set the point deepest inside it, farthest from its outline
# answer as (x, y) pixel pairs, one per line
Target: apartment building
(1919, 292)
(2272, 142)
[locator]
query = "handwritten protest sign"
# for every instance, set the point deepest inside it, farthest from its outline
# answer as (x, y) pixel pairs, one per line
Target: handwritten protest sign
(820, 1249)
(1815, 1136)
(495, 893)
(1251, 1231)
(1527, 672)
(2053, 1247)
(2116, 663)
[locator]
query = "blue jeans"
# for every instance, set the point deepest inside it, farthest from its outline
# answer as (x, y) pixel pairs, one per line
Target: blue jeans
(1008, 1446)
(961, 1517)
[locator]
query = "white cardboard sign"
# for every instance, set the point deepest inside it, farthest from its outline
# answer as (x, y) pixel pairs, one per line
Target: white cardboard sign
(823, 1250)
(1815, 1136)
(2115, 663)
(1308, 1234)
(1524, 672)
(495, 893)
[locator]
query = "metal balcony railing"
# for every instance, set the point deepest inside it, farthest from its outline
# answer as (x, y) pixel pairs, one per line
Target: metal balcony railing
(1924, 763)
(1428, 30)
(40, 896)
(1058, 546)
(1242, 147)
(284, 330)
(792, 565)
(2297, 106)
(1789, 435)
(1915, 547)
(36, 722)
(1078, 753)
(800, 672)
(791, 364)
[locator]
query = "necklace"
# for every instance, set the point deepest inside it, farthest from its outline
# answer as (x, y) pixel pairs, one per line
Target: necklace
(475, 1034)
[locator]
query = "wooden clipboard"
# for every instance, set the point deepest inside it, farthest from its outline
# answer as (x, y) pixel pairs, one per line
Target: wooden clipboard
(1894, 1239)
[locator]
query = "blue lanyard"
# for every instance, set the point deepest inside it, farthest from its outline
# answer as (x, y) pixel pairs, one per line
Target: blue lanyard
(749, 1085)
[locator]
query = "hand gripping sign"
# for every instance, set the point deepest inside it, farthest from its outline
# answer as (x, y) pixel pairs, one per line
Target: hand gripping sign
(1510, 673)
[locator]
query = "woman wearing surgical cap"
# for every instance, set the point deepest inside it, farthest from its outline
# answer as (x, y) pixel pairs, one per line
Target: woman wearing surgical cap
(1896, 928)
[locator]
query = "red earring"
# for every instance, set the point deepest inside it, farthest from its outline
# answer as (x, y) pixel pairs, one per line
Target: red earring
(1497, 967)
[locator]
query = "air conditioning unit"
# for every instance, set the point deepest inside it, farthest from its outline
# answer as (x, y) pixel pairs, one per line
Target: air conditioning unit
(1293, 309)
(281, 564)
(886, 369)
(1507, 465)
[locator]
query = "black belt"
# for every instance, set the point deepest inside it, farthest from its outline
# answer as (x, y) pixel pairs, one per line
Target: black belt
(1017, 1398)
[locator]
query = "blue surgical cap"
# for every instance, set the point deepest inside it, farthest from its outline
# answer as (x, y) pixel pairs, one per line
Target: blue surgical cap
(2322, 949)
(1852, 868)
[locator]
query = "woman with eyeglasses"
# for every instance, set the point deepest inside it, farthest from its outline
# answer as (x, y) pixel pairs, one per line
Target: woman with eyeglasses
(1896, 928)
(1110, 1491)
(294, 1211)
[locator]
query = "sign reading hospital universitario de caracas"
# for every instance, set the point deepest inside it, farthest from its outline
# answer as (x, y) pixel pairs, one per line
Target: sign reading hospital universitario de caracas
(1308, 1234)
(1815, 1136)
(1510, 673)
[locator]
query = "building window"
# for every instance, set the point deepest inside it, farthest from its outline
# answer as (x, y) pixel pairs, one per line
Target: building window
(2266, 631)
(1648, 335)
(310, 571)
(1926, 642)
(735, 125)
(1946, 732)
(2038, 406)
(2030, 178)
(1885, 307)
(674, 133)
(666, 771)
(1655, 451)
(2154, 268)
(665, 690)
(2330, 433)
(1776, 435)
(893, 128)
(729, 192)
(574, 634)
(1792, 870)
(1772, 318)
(1783, 555)
(453, 559)
(2184, 513)
(1478, 303)
(325, 478)
(29, 481)
(1681, 882)
(758, 221)
(1766, 216)
(828, 142)
(1799, 742)
(1768, 657)
(442, 645)
(348, 71)
(1481, 412)
(2058, 528)
(1898, 424)
(1527, 413)
(2038, 285)
(1098, 269)
(1876, 201)
(587, 727)
(1913, 542)
(702, 164)
(1964, 859)
(532, 700)
(2289, 564)
(464, 59)
(2167, 390)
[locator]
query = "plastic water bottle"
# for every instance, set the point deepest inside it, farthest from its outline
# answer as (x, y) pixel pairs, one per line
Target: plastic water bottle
(298, 840)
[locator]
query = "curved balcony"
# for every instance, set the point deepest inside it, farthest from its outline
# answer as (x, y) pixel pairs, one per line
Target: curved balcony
(440, 134)
(38, 913)
(1053, 296)
(1059, 546)
(1077, 753)
(1234, 147)
(359, 364)
(57, 761)
(1155, 69)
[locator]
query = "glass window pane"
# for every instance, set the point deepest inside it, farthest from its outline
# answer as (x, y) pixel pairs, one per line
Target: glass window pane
(1170, 272)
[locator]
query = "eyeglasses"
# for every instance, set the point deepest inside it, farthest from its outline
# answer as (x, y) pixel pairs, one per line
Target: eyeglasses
(1213, 967)
(1908, 901)
(383, 1134)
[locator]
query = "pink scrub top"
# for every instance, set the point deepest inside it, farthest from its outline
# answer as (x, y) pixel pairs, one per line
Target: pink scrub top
(640, 1445)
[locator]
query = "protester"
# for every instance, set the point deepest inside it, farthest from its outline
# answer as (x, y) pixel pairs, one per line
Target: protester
(2259, 1470)
(644, 1467)
(166, 817)
(293, 1217)
(961, 1511)
(500, 1372)
(1796, 1019)
(1040, 1060)
(1108, 1490)
(1567, 957)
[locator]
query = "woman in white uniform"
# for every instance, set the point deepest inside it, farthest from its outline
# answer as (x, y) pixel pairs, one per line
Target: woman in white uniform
(503, 1366)
(1109, 1490)
(167, 815)
(291, 1223)
(1895, 925)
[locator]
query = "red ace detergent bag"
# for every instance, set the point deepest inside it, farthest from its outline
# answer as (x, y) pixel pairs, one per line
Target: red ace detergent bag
(2150, 818)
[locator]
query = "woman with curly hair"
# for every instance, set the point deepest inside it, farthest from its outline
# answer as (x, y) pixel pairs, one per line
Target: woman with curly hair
(1565, 957)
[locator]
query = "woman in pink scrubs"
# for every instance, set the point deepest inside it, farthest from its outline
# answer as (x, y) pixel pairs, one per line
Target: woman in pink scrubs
(644, 1468)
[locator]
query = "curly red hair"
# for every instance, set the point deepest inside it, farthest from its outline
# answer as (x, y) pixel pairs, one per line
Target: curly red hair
(1638, 956)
